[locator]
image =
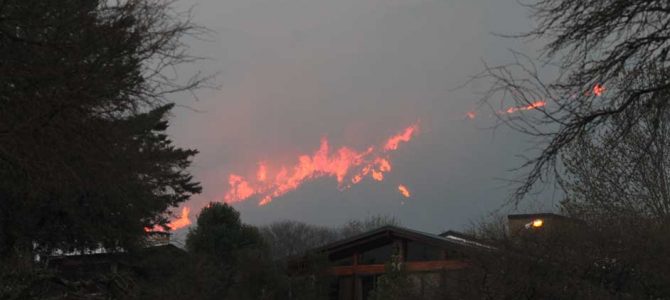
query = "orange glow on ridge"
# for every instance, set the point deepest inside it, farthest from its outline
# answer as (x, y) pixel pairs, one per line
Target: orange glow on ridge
(178, 223)
(183, 220)
(346, 165)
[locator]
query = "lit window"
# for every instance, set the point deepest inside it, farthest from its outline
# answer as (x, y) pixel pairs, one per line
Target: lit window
(537, 223)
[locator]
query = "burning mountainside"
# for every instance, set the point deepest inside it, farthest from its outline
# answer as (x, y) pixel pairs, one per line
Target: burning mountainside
(346, 165)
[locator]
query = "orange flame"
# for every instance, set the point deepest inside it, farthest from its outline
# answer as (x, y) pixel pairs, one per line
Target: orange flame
(178, 223)
(598, 89)
(392, 143)
(262, 173)
(404, 191)
(346, 165)
(377, 175)
(183, 221)
(534, 105)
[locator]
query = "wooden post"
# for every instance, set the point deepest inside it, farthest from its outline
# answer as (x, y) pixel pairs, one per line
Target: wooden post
(354, 278)
(403, 250)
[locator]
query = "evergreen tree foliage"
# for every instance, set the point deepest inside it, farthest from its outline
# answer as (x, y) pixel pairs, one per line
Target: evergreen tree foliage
(231, 258)
(84, 158)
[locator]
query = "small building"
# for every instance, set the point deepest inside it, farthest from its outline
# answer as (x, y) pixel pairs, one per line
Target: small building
(157, 238)
(355, 263)
(95, 274)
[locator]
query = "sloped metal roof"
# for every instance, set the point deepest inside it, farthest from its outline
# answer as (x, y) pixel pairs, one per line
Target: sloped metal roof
(452, 239)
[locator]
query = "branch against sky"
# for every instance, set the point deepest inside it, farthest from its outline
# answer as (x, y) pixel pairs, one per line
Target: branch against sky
(610, 60)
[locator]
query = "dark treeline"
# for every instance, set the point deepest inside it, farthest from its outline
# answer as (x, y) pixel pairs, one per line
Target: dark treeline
(228, 259)
(622, 257)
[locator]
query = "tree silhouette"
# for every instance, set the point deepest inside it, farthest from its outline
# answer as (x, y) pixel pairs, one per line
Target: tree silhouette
(84, 158)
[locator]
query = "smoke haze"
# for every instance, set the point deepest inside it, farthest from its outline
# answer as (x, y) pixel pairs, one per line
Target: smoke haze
(356, 72)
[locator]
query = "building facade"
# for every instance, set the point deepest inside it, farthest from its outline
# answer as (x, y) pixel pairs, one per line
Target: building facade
(431, 261)
(355, 263)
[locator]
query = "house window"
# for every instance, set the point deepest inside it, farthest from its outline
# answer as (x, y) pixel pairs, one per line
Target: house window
(422, 252)
(344, 261)
(379, 255)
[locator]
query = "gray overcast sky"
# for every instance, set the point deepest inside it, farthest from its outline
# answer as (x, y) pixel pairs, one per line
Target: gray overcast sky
(356, 71)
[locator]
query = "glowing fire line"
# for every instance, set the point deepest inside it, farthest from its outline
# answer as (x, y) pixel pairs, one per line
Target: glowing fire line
(534, 105)
(346, 165)
(597, 90)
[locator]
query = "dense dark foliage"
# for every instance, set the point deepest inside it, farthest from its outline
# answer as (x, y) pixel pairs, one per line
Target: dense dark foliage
(231, 258)
(605, 258)
(608, 176)
(84, 159)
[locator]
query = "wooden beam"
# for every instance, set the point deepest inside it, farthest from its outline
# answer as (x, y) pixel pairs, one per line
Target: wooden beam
(413, 266)
(435, 265)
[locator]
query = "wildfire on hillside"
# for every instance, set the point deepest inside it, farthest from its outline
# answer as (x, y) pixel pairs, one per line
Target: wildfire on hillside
(345, 164)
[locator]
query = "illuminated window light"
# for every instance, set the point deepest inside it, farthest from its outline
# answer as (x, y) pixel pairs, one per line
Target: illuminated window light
(537, 223)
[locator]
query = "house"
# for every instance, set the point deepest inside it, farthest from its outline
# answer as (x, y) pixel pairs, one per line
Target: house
(355, 263)
(102, 274)
(431, 260)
